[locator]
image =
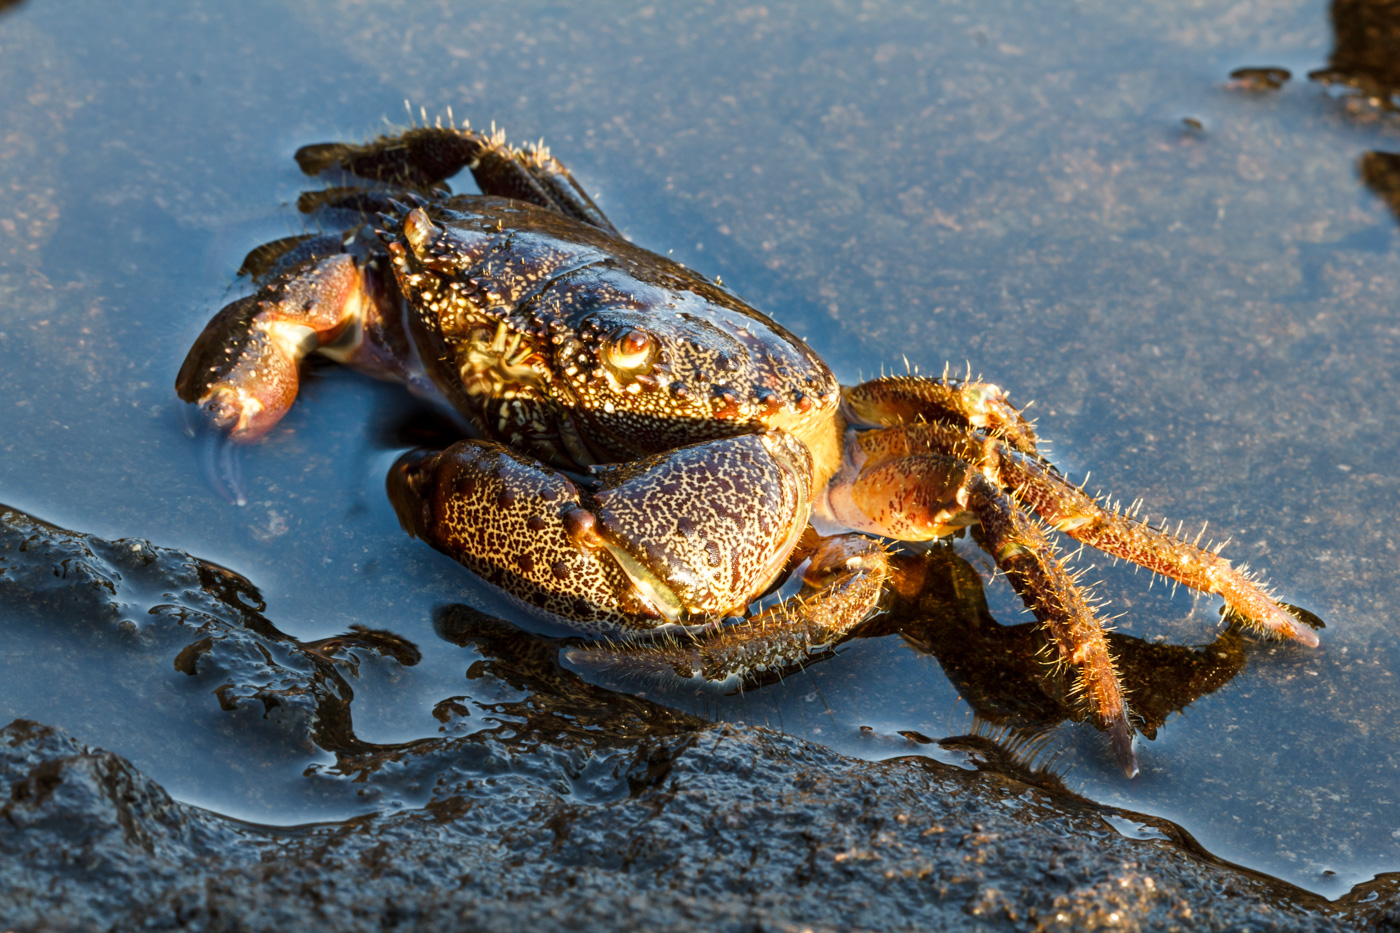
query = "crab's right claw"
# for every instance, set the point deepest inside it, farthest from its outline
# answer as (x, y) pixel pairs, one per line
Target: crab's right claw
(240, 374)
(238, 385)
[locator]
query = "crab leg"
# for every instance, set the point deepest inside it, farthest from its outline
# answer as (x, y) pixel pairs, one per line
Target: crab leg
(925, 496)
(896, 400)
(1069, 509)
(423, 156)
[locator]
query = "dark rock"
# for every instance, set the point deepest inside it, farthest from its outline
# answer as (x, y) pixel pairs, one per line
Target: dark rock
(749, 830)
(565, 806)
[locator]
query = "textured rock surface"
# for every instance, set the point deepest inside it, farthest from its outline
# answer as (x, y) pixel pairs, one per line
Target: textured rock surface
(725, 829)
(589, 811)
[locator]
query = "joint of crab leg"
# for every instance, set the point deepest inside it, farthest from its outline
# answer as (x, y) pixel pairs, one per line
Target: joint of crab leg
(1009, 551)
(910, 498)
(894, 400)
(582, 528)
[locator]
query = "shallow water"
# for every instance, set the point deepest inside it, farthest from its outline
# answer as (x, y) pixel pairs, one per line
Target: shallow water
(1189, 277)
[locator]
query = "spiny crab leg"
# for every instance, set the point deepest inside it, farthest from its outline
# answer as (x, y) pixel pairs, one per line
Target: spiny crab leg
(1040, 577)
(894, 400)
(924, 496)
(1072, 511)
(423, 156)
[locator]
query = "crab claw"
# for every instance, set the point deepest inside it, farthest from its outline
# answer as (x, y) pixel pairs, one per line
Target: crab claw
(1120, 736)
(241, 373)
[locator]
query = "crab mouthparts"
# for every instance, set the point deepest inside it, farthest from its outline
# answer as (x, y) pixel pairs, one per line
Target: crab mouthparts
(501, 364)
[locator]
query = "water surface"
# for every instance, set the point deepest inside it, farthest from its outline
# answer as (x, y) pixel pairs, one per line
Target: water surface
(1193, 279)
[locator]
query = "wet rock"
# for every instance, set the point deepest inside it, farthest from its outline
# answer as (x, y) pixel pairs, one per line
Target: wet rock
(1367, 36)
(137, 603)
(543, 800)
(748, 829)
(86, 835)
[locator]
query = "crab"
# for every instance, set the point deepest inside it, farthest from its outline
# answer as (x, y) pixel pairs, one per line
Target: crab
(647, 454)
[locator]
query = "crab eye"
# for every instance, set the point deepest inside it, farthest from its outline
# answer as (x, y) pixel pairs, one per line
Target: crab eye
(630, 349)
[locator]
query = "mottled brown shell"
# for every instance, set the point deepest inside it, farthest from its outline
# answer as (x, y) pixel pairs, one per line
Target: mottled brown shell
(501, 515)
(715, 521)
(679, 538)
(520, 313)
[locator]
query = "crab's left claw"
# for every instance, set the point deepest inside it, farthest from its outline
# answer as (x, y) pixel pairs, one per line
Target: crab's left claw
(843, 579)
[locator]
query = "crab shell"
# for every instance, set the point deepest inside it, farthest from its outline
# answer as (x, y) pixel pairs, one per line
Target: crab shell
(576, 346)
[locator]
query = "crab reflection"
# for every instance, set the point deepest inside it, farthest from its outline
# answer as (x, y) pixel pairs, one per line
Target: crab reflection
(937, 605)
(1001, 670)
(522, 702)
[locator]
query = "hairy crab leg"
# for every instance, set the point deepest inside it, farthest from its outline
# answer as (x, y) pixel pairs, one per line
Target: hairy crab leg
(423, 156)
(896, 400)
(265, 261)
(1069, 509)
(925, 496)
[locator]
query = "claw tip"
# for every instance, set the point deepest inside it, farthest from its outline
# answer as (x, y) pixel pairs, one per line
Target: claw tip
(1305, 636)
(1121, 735)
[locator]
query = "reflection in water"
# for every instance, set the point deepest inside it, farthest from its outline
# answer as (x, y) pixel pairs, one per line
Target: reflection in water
(1381, 173)
(517, 698)
(1366, 56)
(937, 604)
(1001, 670)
